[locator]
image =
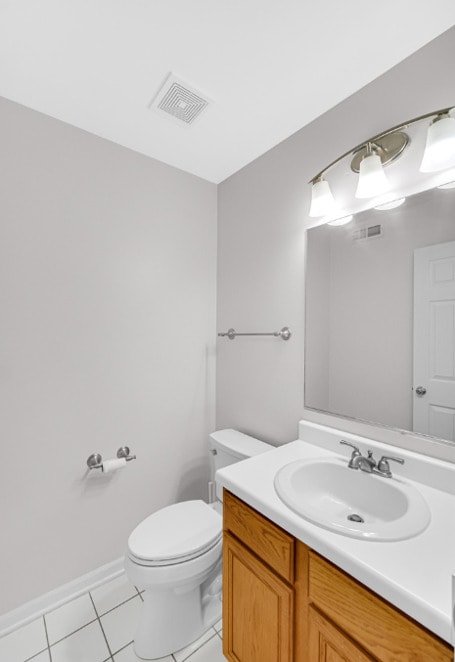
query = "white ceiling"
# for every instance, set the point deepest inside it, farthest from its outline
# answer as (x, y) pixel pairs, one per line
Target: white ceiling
(271, 66)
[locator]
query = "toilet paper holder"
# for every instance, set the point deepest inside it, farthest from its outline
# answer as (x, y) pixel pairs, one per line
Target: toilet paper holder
(95, 460)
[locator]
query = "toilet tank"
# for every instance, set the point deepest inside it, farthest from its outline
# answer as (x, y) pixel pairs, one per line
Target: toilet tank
(230, 446)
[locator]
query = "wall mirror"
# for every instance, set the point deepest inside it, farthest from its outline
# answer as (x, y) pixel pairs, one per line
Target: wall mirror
(380, 316)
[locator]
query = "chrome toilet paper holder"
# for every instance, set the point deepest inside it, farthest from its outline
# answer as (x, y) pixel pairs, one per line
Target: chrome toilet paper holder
(95, 460)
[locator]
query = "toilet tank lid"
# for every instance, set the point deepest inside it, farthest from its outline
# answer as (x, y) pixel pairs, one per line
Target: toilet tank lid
(239, 444)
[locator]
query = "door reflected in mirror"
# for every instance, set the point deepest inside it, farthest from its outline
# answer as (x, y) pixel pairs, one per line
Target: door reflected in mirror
(380, 316)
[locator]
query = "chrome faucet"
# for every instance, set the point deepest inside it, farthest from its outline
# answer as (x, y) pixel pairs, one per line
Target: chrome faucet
(369, 464)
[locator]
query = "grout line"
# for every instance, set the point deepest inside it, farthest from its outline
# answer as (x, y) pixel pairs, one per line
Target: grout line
(47, 638)
(43, 649)
(133, 597)
(123, 647)
(30, 659)
(102, 629)
(71, 633)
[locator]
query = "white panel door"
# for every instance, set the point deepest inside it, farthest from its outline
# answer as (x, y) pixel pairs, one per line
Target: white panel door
(434, 340)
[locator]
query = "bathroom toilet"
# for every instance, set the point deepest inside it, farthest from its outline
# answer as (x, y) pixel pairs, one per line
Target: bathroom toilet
(175, 556)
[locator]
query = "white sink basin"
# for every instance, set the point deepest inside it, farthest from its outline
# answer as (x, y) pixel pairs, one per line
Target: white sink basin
(327, 493)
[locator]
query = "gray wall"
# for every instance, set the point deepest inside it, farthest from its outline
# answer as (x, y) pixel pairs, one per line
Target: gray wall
(107, 299)
(263, 213)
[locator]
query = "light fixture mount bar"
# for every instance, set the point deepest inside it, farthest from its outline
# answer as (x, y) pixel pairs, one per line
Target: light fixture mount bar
(388, 148)
(378, 137)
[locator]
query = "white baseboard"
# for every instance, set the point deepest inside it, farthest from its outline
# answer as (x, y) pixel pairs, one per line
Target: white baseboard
(39, 606)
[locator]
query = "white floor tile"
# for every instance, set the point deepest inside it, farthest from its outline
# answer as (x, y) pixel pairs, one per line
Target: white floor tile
(23, 643)
(120, 623)
(85, 645)
(42, 657)
(212, 651)
(219, 625)
(184, 653)
(110, 595)
(128, 655)
(69, 617)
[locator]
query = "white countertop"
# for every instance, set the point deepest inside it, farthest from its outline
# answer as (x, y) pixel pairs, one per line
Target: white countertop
(415, 575)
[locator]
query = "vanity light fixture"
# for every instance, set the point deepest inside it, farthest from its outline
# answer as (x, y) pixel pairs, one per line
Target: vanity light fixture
(449, 185)
(439, 151)
(372, 178)
(389, 204)
(446, 179)
(341, 221)
(370, 158)
(322, 200)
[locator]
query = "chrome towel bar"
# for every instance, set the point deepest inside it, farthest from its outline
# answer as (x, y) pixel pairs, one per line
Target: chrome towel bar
(284, 334)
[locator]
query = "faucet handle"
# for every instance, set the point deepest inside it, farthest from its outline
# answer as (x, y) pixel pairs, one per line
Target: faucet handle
(356, 452)
(384, 467)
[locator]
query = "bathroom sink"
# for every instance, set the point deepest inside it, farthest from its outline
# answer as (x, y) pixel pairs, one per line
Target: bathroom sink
(352, 502)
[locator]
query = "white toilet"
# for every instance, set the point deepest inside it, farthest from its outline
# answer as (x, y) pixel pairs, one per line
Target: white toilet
(175, 555)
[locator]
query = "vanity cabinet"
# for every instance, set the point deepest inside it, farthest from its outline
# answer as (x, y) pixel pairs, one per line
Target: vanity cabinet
(282, 602)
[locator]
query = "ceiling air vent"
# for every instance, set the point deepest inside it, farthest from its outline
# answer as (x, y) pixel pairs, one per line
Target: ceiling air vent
(179, 101)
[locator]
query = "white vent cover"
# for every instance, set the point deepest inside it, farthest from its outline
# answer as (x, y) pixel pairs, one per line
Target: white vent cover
(372, 232)
(179, 101)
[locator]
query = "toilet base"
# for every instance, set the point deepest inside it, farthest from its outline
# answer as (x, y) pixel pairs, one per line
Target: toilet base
(170, 621)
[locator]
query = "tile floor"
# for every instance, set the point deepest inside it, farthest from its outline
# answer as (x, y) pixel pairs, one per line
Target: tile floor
(96, 627)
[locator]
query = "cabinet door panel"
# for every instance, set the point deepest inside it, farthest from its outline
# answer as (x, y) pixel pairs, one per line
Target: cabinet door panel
(382, 630)
(329, 644)
(257, 609)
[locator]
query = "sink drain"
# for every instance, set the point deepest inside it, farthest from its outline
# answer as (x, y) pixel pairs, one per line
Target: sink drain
(355, 518)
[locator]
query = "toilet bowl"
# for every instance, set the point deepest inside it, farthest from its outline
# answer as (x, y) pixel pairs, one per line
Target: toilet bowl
(171, 555)
(175, 556)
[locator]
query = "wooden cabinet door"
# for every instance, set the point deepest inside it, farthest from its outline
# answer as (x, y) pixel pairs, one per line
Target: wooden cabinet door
(329, 644)
(376, 625)
(257, 608)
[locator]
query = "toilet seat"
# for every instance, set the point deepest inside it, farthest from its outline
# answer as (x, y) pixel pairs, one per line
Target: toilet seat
(175, 534)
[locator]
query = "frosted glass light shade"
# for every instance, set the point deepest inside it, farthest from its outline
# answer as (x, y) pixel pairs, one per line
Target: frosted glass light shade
(322, 200)
(448, 185)
(372, 178)
(341, 221)
(389, 203)
(439, 151)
